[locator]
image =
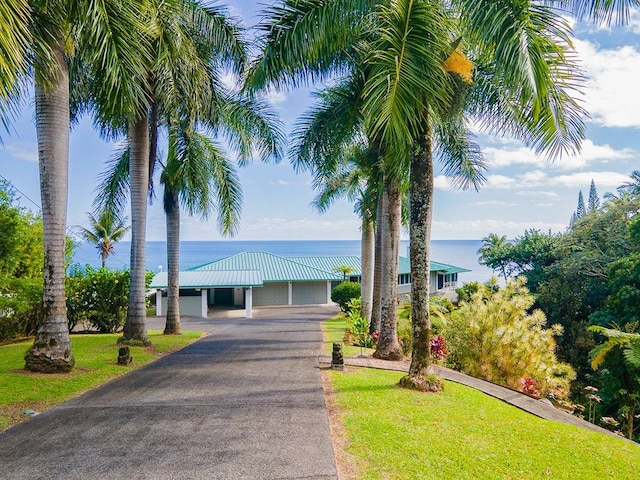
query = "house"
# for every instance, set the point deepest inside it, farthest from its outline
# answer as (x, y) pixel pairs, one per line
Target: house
(258, 279)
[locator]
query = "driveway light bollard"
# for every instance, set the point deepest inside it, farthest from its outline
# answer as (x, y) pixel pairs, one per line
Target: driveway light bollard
(337, 359)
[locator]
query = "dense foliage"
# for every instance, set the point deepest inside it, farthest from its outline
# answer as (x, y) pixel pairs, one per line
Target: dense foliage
(98, 298)
(495, 336)
(589, 275)
(21, 261)
(345, 292)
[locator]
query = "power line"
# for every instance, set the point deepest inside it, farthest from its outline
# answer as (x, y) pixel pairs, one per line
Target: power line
(21, 192)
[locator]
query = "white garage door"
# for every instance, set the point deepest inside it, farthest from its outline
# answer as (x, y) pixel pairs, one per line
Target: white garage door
(309, 293)
(271, 294)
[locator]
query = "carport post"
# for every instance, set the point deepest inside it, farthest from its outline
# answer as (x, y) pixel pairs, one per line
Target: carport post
(290, 294)
(248, 301)
(204, 309)
(158, 301)
(329, 291)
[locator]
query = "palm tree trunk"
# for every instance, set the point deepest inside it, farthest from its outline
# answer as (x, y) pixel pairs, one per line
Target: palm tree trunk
(172, 212)
(51, 350)
(377, 268)
(421, 212)
(134, 328)
(367, 255)
(388, 347)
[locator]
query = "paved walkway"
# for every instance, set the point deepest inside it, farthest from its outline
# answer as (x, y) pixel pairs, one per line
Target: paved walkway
(243, 403)
(540, 408)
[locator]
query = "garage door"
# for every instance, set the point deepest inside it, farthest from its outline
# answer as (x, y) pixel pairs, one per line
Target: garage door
(271, 294)
(309, 293)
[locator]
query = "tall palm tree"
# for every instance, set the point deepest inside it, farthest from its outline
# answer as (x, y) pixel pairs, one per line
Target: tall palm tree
(106, 230)
(418, 85)
(110, 38)
(190, 45)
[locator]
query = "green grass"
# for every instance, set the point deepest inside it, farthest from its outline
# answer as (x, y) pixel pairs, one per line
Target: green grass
(334, 329)
(461, 433)
(96, 363)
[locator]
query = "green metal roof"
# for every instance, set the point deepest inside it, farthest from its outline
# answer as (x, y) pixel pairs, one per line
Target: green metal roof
(443, 267)
(329, 263)
(272, 267)
(212, 278)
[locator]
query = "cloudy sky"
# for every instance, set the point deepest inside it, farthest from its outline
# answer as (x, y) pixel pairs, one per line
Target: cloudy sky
(522, 190)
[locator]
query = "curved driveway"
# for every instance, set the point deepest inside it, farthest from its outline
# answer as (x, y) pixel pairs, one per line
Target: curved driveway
(245, 402)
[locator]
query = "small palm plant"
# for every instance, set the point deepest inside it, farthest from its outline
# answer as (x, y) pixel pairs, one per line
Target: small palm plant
(345, 270)
(627, 343)
(106, 230)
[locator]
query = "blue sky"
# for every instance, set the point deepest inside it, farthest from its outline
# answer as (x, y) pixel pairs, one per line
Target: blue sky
(522, 190)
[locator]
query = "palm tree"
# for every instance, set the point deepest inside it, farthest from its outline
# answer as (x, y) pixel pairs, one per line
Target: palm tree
(418, 84)
(191, 43)
(105, 231)
(108, 42)
(197, 175)
(492, 253)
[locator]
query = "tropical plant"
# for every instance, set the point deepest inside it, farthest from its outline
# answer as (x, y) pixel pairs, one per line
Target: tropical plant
(15, 40)
(98, 297)
(345, 270)
(415, 80)
(106, 230)
(495, 254)
(626, 343)
(496, 337)
(345, 292)
(109, 36)
(193, 43)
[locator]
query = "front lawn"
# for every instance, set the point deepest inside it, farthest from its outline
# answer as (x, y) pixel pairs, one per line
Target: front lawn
(461, 433)
(96, 363)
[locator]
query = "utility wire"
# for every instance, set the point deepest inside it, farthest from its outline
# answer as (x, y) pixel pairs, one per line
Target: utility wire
(21, 192)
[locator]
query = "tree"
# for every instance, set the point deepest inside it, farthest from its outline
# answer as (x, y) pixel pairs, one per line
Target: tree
(580, 209)
(106, 230)
(414, 88)
(495, 253)
(190, 42)
(109, 37)
(628, 345)
(594, 201)
(345, 270)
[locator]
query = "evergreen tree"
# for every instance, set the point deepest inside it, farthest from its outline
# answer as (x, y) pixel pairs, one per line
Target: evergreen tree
(594, 200)
(581, 208)
(573, 219)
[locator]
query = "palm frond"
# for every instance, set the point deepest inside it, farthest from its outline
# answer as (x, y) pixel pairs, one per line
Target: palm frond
(335, 122)
(249, 125)
(15, 40)
(459, 153)
(304, 41)
(112, 191)
(527, 75)
(600, 11)
(406, 72)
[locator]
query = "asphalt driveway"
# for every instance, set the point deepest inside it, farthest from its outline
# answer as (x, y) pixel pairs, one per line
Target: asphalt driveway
(245, 402)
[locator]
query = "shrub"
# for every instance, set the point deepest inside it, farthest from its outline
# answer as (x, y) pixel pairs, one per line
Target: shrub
(343, 293)
(493, 336)
(358, 325)
(20, 306)
(98, 297)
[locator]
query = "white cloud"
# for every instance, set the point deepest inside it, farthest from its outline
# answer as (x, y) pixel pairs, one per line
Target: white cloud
(441, 182)
(281, 183)
(276, 97)
(538, 178)
(475, 229)
(495, 203)
(611, 94)
(511, 153)
(634, 21)
(25, 152)
(501, 182)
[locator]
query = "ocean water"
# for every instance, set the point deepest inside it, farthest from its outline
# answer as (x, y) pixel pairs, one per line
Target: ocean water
(462, 253)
